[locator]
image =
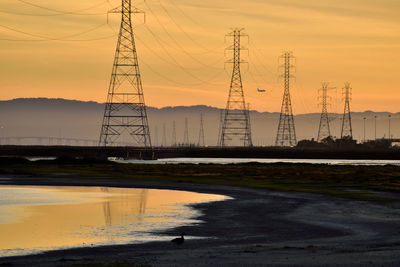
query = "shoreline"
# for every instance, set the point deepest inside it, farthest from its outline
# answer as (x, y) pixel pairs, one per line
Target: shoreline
(256, 227)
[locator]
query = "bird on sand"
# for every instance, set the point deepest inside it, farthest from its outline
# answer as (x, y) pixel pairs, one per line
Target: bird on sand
(179, 240)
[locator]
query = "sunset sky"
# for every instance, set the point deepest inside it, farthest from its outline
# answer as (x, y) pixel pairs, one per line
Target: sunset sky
(67, 50)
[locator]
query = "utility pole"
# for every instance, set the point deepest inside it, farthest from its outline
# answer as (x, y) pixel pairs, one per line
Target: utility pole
(324, 130)
(164, 138)
(173, 140)
(286, 135)
(201, 142)
(236, 122)
(125, 112)
(186, 134)
(375, 126)
(347, 130)
(390, 136)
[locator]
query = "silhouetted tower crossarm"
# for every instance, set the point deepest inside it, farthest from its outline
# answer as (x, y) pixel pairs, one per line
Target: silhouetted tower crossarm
(347, 131)
(286, 135)
(125, 114)
(235, 124)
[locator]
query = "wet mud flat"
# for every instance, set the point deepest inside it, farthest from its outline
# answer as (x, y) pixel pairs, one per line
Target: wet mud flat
(258, 227)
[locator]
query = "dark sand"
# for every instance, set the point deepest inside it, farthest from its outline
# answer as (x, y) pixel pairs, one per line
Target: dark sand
(256, 228)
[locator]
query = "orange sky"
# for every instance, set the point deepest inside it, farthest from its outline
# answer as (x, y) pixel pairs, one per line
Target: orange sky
(183, 62)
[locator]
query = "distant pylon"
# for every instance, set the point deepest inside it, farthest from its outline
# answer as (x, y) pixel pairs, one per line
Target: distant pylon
(186, 134)
(324, 130)
(236, 122)
(286, 135)
(249, 131)
(201, 142)
(155, 136)
(221, 121)
(347, 131)
(173, 139)
(125, 112)
(164, 138)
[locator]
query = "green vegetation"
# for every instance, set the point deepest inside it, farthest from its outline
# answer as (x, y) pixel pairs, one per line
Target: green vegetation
(354, 182)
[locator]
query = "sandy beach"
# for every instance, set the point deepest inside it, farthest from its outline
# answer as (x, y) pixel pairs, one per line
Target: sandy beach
(257, 227)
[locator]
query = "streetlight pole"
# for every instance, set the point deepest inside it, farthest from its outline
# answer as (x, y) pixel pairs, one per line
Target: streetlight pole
(389, 126)
(375, 127)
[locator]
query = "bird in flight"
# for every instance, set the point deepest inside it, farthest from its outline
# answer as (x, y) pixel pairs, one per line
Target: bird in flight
(260, 90)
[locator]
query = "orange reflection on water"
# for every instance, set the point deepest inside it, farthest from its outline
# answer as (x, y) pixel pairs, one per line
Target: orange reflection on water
(79, 216)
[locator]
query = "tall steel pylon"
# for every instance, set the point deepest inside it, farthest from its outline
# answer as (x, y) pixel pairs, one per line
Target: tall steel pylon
(125, 113)
(236, 121)
(347, 131)
(324, 129)
(201, 142)
(286, 135)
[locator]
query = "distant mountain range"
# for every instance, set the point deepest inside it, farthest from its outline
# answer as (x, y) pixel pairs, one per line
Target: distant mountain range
(78, 119)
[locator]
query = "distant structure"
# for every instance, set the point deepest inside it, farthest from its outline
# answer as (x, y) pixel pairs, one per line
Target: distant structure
(155, 136)
(221, 121)
(286, 135)
(236, 122)
(347, 130)
(164, 138)
(173, 139)
(201, 142)
(324, 130)
(186, 141)
(125, 112)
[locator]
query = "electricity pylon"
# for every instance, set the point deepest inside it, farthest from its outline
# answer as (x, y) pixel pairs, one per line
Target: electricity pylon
(173, 139)
(286, 135)
(186, 134)
(201, 142)
(236, 122)
(155, 136)
(347, 131)
(164, 138)
(324, 130)
(125, 112)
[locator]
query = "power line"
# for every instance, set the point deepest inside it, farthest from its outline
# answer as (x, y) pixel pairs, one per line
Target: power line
(181, 48)
(64, 38)
(61, 12)
(183, 30)
(172, 58)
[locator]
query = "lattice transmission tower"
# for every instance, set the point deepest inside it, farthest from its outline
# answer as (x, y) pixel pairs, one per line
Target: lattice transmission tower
(324, 129)
(236, 121)
(164, 137)
(173, 135)
(186, 141)
(201, 142)
(347, 131)
(125, 113)
(286, 135)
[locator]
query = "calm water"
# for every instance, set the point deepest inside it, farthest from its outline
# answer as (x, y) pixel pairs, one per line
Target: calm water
(36, 219)
(245, 160)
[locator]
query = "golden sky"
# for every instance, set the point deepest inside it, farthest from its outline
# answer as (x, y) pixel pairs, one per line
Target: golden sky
(181, 50)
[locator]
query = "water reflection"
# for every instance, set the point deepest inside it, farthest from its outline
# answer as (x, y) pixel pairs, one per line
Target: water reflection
(44, 218)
